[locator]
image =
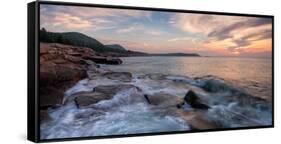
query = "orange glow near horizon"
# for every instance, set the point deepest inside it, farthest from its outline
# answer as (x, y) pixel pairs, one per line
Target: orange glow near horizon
(163, 32)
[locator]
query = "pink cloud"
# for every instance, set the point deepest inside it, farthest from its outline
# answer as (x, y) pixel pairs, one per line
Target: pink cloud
(71, 22)
(88, 12)
(202, 23)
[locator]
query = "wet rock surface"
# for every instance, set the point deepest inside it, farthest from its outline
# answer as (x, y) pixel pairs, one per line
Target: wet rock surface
(121, 76)
(50, 97)
(117, 102)
(164, 99)
(44, 116)
(99, 93)
(197, 120)
(104, 60)
(196, 102)
(113, 89)
(87, 99)
(61, 67)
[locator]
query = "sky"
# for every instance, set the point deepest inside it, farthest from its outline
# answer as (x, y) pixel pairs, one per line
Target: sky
(164, 32)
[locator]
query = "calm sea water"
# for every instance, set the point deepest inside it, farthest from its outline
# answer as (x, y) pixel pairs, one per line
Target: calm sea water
(254, 75)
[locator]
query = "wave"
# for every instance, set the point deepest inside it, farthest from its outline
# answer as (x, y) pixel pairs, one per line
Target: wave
(126, 113)
(129, 113)
(231, 106)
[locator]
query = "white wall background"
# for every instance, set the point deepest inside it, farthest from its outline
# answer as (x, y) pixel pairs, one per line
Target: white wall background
(13, 73)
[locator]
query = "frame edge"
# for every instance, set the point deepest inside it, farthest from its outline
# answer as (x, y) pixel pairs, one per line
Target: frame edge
(32, 128)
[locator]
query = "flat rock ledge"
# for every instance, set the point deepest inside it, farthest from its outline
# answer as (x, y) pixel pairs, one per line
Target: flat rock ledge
(99, 93)
(62, 66)
(121, 76)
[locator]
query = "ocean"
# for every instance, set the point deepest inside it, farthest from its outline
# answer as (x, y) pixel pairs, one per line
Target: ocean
(238, 91)
(253, 75)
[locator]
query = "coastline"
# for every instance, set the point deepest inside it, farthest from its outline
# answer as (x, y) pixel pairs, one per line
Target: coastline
(97, 93)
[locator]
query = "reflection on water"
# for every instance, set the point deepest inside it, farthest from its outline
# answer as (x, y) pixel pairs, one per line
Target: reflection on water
(254, 75)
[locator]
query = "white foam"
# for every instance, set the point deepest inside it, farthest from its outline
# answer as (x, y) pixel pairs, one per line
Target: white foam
(127, 119)
(82, 85)
(126, 113)
(149, 86)
(232, 115)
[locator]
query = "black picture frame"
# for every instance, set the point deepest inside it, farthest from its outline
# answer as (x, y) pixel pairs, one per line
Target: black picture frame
(33, 133)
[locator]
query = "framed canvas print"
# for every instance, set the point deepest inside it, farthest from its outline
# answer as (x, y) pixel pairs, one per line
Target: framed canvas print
(102, 71)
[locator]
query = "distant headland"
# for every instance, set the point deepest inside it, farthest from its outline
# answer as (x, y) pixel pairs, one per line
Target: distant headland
(82, 40)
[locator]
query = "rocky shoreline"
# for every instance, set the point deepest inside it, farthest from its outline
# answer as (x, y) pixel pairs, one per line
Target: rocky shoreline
(62, 67)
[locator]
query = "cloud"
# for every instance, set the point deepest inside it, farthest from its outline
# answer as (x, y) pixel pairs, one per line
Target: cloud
(71, 22)
(88, 12)
(187, 32)
(249, 39)
(238, 44)
(154, 32)
(232, 33)
(181, 39)
(133, 28)
(140, 30)
(246, 35)
(126, 30)
(202, 23)
(225, 32)
(135, 45)
(59, 21)
(265, 33)
(66, 18)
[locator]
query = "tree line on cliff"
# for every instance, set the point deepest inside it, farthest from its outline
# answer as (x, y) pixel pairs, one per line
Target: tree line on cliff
(82, 40)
